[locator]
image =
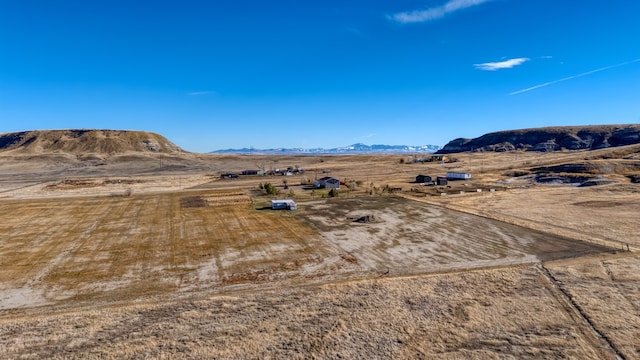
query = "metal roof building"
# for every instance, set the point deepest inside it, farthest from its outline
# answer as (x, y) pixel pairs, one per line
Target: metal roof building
(285, 204)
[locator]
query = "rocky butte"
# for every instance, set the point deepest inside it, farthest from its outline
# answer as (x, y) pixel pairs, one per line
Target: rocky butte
(83, 141)
(549, 139)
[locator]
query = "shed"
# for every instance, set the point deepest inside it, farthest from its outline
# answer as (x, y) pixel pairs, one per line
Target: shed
(285, 204)
(442, 180)
(423, 179)
(252, 172)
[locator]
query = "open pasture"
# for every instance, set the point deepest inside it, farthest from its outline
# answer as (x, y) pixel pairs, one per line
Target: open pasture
(487, 314)
(117, 248)
(185, 266)
(406, 236)
(607, 290)
(607, 214)
(114, 248)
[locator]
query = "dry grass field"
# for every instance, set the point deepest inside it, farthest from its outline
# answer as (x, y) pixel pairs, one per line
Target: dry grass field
(607, 291)
(122, 248)
(607, 214)
(514, 313)
(130, 259)
(115, 248)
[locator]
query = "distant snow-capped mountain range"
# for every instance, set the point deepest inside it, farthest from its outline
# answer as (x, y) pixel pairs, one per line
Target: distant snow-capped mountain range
(351, 149)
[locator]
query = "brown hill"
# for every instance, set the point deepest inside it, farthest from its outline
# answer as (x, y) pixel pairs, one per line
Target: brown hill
(550, 139)
(86, 142)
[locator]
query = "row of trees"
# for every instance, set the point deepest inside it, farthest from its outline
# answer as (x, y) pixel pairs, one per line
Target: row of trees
(352, 185)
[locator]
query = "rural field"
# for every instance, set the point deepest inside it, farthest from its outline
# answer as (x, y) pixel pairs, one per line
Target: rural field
(137, 257)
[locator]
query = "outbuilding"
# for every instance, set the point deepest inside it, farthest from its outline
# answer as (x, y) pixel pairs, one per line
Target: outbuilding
(452, 175)
(327, 182)
(252, 172)
(442, 180)
(423, 179)
(284, 204)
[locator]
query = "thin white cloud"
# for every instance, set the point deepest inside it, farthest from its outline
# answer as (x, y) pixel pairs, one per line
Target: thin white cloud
(367, 136)
(430, 14)
(355, 31)
(200, 93)
(573, 77)
(507, 64)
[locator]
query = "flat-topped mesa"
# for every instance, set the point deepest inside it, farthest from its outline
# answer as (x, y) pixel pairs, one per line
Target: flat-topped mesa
(550, 139)
(82, 141)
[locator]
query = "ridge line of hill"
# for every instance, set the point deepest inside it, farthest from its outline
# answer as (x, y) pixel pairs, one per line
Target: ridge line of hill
(556, 138)
(85, 141)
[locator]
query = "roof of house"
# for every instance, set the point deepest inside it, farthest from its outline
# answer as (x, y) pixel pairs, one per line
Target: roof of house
(327, 178)
(283, 201)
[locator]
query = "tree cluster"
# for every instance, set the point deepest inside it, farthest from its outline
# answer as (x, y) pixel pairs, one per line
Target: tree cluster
(268, 188)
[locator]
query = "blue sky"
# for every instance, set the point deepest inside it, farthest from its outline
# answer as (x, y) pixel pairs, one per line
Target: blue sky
(308, 73)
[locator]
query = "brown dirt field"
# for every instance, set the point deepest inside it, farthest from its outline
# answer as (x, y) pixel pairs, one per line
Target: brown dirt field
(410, 237)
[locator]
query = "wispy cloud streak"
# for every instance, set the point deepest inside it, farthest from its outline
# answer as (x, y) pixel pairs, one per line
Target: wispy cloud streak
(200, 93)
(573, 77)
(355, 31)
(434, 13)
(507, 64)
(368, 136)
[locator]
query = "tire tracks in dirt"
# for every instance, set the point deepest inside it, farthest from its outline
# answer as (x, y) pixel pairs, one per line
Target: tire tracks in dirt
(577, 313)
(617, 286)
(73, 246)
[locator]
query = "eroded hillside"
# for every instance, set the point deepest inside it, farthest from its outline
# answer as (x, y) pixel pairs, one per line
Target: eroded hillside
(86, 142)
(550, 139)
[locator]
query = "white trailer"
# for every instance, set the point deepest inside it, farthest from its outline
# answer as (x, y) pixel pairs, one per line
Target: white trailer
(285, 204)
(452, 175)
